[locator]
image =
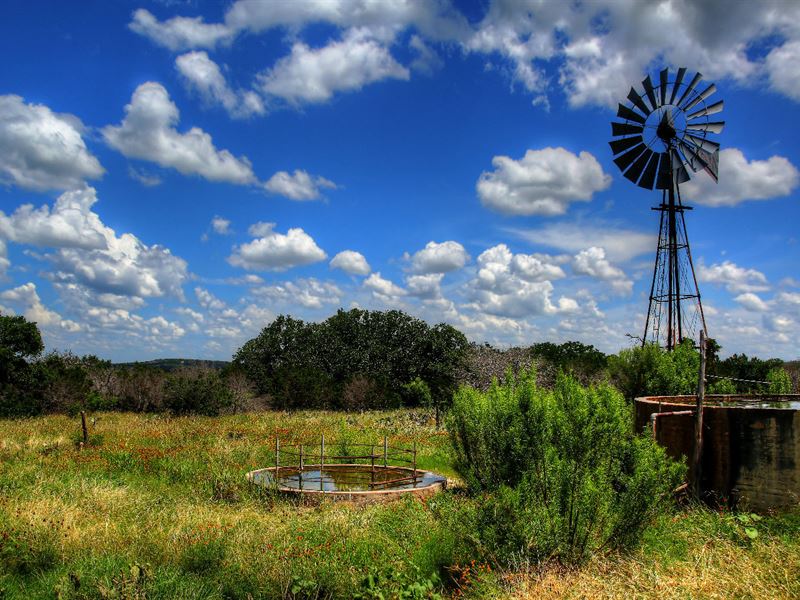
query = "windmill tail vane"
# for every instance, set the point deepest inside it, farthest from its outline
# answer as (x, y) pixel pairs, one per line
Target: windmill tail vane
(663, 134)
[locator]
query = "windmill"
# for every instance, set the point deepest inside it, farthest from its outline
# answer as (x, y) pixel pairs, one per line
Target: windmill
(663, 134)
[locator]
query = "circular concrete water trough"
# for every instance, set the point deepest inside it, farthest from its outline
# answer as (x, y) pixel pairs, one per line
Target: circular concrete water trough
(751, 445)
(352, 482)
(359, 472)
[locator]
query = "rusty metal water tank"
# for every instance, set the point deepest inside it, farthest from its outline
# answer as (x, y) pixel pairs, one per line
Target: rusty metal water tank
(751, 445)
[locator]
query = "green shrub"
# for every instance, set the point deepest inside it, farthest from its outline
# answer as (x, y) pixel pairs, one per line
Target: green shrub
(722, 386)
(566, 474)
(196, 391)
(779, 381)
(650, 370)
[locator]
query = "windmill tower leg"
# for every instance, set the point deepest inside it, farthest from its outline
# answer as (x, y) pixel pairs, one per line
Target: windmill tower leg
(672, 288)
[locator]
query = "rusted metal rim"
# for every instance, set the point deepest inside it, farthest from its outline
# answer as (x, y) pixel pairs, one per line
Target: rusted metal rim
(769, 401)
(437, 484)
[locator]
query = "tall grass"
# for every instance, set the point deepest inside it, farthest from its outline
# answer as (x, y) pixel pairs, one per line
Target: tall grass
(158, 508)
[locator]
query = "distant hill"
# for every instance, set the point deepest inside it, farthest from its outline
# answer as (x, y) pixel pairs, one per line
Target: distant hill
(171, 364)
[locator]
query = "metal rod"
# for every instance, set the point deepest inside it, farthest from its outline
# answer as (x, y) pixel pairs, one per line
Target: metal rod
(300, 474)
(385, 453)
(415, 463)
(697, 454)
(691, 263)
(372, 464)
(657, 415)
(277, 461)
(321, 463)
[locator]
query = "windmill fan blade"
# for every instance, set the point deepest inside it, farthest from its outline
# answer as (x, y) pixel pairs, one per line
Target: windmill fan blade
(681, 174)
(711, 109)
(700, 159)
(695, 80)
(702, 96)
(664, 179)
(623, 144)
(623, 161)
(708, 145)
(649, 175)
(692, 159)
(623, 112)
(625, 129)
(651, 95)
(663, 88)
(634, 97)
(677, 84)
(637, 167)
(713, 127)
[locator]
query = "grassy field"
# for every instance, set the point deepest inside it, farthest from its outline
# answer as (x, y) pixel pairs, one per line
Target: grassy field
(157, 507)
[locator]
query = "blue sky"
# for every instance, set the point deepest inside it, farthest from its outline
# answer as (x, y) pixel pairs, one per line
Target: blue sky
(173, 175)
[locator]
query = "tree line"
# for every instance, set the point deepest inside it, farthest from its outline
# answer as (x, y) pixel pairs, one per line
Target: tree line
(354, 360)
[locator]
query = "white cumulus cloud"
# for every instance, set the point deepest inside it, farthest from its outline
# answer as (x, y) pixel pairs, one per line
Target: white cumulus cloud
(543, 182)
(203, 75)
(734, 278)
(297, 186)
(148, 133)
(310, 293)
(273, 251)
(90, 253)
(382, 288)
(752, 302)
(27, 296)
(180, 33)
(439, 257)
(593, 262)
(314, 75)
(351, 262)
(741, 180)
(42, 150)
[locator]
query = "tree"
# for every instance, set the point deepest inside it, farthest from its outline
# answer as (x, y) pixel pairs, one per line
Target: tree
(650, 370)
(20, 389)
(582, 360)
(353, 357)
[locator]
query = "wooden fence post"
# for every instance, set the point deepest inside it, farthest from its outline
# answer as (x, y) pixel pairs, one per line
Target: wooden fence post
(697, 454)
(85, 430)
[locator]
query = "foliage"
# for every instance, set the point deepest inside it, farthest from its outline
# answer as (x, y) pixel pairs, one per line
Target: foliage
(722, 386)
(565, 472)
(354, 359)
(20, 342)
(746, 370)
(650, 370)
(779, 381)
(583, 361)
(196, 391)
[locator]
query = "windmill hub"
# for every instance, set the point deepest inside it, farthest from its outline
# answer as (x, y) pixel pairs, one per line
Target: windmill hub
(666, 128)
(662, 136)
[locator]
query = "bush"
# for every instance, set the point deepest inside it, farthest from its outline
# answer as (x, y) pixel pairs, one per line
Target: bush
(196, 391)
(779, 381)
(650, 370)
(566, 474)
(722, 386)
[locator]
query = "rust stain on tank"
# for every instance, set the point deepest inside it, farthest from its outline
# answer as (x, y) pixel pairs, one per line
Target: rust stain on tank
(751, 452)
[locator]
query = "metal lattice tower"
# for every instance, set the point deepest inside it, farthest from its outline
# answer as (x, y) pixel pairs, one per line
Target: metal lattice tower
(664, 130)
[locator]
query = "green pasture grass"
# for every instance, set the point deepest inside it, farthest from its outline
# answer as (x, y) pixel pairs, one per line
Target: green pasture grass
(158, 507)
